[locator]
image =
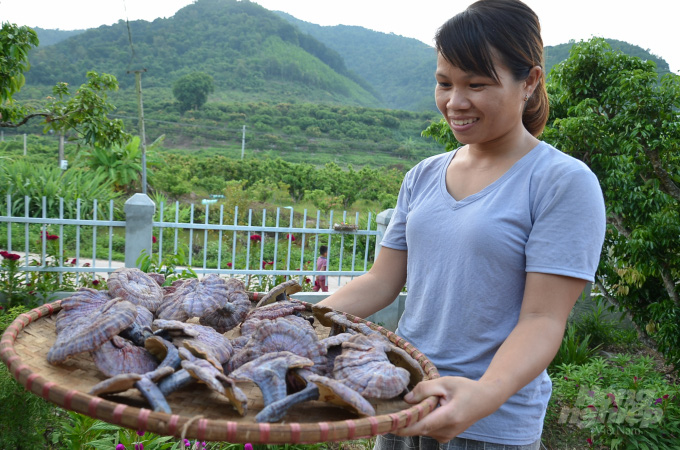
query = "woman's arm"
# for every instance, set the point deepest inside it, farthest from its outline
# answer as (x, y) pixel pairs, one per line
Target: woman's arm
(374, 290)
(526, 352)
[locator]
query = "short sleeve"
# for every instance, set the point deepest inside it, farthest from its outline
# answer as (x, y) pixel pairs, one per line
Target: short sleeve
(569, 226)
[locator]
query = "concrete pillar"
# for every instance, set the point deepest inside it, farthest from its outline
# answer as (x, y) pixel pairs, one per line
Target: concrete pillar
(139, 211)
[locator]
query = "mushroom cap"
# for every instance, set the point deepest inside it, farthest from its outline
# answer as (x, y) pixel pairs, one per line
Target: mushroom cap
(207, 373)
(83, 302)
(282, 335)
(177, 328)
(269, 373)
(232, 312)
(157, 277)
(172, 305)
(284, 290)
(275, 310)
(164, 351)
(334, 392)
(125, 381)
(88, 333)
(135, 286)
(119, 356)
(369, 372)
(206, 296)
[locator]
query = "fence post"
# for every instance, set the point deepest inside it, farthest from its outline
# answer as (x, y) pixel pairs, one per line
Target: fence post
(382, 219)
(139, 211)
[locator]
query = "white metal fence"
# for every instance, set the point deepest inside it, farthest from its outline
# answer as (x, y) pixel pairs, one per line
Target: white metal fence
(276, 243)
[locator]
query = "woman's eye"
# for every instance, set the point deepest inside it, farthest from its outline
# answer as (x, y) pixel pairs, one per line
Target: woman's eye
(443, 84)
(476, 85)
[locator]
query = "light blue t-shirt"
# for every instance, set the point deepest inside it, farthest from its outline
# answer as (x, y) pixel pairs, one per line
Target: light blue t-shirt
(467, 264)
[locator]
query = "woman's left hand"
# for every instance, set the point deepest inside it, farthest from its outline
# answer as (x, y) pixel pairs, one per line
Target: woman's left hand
(462, 402)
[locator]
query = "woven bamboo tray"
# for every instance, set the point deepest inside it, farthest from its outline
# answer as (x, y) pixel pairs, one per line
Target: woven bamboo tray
(197, 412)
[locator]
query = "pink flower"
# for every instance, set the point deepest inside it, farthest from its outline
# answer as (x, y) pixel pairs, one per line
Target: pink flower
(255, 237)
(139, 432)
(187, 443)
(248, 446)
(120, 447)
(229, 264)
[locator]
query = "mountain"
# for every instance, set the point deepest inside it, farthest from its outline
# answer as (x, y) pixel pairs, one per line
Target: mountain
(558, 53)
(401, 69)
(250, 52)
(257, 55)
(50, 37)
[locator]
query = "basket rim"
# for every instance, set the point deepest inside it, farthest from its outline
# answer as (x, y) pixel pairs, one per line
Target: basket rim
(199, 427)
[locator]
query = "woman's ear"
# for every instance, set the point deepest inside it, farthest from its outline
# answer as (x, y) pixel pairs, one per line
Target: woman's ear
(532, 81)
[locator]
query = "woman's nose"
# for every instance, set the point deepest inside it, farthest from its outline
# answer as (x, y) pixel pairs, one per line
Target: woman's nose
(457, 100)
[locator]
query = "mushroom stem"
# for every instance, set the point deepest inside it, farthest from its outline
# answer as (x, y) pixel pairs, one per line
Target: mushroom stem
(276, 410)
(175, 381)
(153, 395)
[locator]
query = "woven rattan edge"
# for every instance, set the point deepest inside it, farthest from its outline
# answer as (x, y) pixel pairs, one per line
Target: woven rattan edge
(179, 426)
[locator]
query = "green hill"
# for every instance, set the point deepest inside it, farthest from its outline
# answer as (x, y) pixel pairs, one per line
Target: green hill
(250, 52)
(400, 69)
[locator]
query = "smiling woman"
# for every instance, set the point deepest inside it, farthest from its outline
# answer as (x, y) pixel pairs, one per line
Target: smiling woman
(489, 298)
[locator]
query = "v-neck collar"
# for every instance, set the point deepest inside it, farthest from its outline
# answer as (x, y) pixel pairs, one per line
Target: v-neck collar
(448, 198)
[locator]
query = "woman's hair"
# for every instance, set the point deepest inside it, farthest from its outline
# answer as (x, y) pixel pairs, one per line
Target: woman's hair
(508, 29)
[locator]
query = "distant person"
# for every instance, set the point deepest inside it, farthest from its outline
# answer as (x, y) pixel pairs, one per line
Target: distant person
(497, 240)
(321, 264)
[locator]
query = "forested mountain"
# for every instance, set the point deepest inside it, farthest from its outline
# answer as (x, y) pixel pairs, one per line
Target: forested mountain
(254, 54)
(51, 37)
(244, 47)
(401, 69)
(558, 53)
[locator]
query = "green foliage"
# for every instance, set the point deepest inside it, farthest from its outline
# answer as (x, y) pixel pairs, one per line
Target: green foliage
(15, 43)
(622, 403)
(191, 90)
(604, 329)
(22, 179)
(612, 111)
(575, 349)
(25, 418)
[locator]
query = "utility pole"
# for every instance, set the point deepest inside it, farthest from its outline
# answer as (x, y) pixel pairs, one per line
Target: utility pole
(243, 142)
(62, 160)
(138, 83)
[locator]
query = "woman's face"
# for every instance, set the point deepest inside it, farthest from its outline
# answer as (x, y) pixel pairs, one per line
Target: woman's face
(478, 109)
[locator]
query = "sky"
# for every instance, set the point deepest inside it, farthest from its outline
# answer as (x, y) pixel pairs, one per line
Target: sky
(650, 24)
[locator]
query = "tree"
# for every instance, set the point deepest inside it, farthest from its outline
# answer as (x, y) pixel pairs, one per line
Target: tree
(191, 91)
(612, 111)
(84, 112)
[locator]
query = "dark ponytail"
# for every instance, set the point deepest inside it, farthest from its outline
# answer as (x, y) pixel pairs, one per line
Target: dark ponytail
(509, 29)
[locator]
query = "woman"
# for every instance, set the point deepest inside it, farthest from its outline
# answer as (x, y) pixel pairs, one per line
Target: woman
(516, 228)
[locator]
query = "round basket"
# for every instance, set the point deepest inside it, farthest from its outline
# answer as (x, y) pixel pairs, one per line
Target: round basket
(197, 412)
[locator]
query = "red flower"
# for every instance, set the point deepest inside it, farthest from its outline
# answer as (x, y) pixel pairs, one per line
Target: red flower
(52, 237)
(291, 237)
(153, 239)
(589, 441)
(307, 280)
(11, 256)
(73, 261)
(86, 265)
(255, 237)
(4, 253)
(95, 282)
(229, 264)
